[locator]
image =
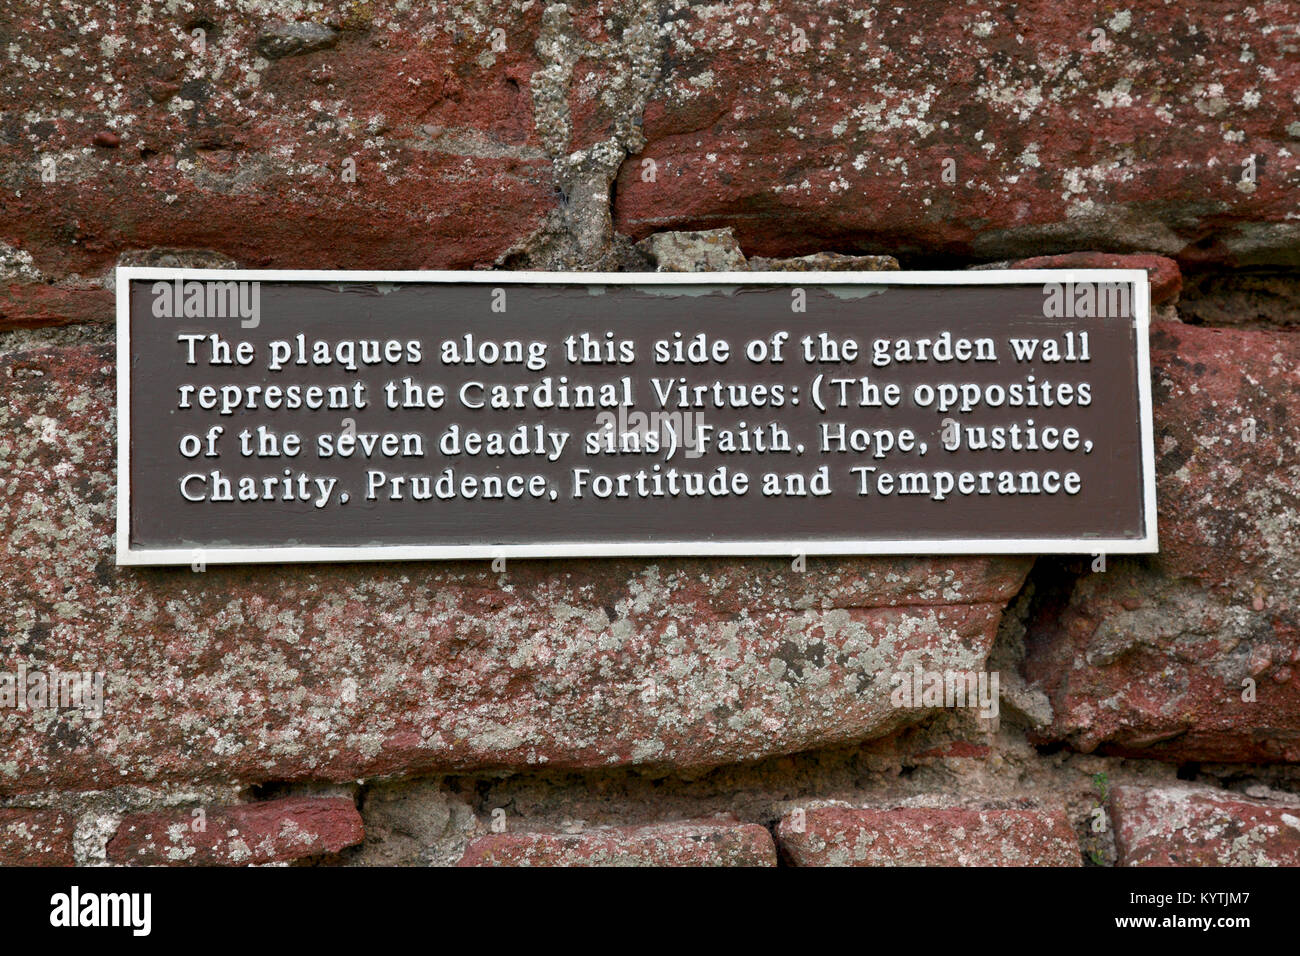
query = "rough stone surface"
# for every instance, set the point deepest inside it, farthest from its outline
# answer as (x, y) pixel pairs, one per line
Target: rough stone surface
(29, 299)
(927, 836)
(714, 250)
(1195, 826)
(825, 262)
(1160, 657)
(1250, 298)
(1165, 278)
(36, 838)
(690, 843)
(409, 824)
(506, 132)
(291, 39)
(340, 672)
(222, 148)
(807, 126)
(33, 304)
(164, 257)
(277, 831)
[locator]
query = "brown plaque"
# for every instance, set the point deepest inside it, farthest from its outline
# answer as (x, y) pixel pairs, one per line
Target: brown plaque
(287, 416)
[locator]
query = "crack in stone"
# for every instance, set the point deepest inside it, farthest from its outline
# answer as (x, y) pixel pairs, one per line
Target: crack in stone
(580, 233)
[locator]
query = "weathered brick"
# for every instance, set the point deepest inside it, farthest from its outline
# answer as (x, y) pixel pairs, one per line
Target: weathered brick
(689, 843)
(1195, 826)
(927, 836)
(276, 831)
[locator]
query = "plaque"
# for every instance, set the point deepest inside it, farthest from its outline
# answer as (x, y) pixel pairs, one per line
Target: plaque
(321, 416)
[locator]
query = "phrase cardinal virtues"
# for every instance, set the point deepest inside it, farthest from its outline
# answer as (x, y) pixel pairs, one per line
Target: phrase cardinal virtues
(341, 416)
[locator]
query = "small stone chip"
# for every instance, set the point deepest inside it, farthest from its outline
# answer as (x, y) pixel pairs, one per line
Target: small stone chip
(291, 39)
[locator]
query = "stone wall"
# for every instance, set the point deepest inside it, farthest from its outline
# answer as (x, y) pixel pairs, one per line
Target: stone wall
(669, 711)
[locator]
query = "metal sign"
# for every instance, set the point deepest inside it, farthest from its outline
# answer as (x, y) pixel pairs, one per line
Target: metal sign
(316, 416)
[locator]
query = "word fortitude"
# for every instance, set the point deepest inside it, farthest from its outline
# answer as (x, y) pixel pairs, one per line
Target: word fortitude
(314, 416)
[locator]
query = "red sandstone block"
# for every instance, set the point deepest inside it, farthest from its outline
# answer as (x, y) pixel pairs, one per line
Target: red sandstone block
(1194, 826)
(406, 143)
(960, 749)
(921, 836)
(1166, 278)
(689, 843)
(272, 832)
(1049, 143)
(1195, 651)
(32, 304)
(36, 838)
